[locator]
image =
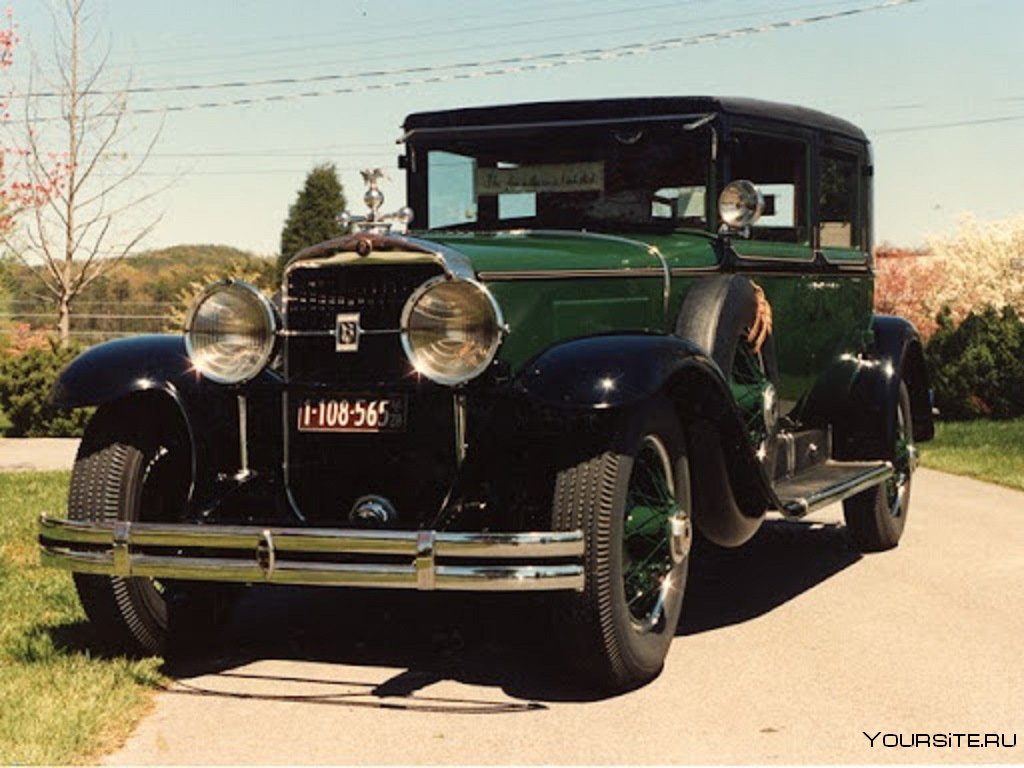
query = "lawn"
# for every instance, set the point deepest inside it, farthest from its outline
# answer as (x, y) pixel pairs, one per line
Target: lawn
(987, 450)
(60, 702)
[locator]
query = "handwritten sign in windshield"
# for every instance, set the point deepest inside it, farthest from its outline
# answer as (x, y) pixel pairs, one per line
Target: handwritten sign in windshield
(562, 177)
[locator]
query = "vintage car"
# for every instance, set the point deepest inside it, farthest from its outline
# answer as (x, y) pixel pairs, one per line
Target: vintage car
(618, 325)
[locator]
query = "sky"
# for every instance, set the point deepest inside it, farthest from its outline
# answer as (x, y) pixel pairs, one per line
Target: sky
(936, 84)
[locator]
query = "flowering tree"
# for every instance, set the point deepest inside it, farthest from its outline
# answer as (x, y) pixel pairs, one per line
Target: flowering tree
(70, 200)
(982, 263)
(979, 264)
(905, 282)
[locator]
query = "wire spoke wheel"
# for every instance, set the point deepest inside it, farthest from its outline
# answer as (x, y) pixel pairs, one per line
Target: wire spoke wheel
(754, 393)
(656, 534)
(904, 452)
(630, 496)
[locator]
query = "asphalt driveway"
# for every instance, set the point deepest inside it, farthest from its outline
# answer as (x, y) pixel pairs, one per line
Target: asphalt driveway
(791, 649)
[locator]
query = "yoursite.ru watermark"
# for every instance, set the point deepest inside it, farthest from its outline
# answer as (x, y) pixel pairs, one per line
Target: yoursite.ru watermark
(941, 740)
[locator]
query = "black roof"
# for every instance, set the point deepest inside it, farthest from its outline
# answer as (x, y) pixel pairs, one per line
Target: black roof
(599, 110)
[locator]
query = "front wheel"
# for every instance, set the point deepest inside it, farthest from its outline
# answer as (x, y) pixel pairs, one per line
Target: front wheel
(632, 501)
(876, 517)
(124, 471)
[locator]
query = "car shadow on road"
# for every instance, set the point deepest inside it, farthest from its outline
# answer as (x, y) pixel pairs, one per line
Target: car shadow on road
(489, 641)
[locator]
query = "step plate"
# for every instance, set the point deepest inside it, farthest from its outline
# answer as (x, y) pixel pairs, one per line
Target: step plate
(828, 483)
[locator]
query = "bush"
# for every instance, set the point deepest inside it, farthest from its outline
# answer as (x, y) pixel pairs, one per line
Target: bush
(977, 368)
(26, 381)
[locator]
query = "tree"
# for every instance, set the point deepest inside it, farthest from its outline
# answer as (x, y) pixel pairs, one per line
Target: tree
(313, 217)
(75, 196)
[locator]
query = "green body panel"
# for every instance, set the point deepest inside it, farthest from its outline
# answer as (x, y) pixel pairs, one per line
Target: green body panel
(556, 286)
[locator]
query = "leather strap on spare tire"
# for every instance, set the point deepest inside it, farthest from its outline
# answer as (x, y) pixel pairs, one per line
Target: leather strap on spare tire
(718, 311)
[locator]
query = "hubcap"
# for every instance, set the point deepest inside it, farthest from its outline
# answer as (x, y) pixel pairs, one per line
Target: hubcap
(657, 535)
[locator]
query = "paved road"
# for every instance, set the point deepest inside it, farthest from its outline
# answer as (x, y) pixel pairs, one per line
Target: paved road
(38, 453)
(789, 649)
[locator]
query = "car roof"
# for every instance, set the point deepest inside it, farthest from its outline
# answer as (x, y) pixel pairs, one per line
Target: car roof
(601, 110)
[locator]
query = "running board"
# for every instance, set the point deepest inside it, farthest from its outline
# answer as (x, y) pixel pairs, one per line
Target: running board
(828, 483)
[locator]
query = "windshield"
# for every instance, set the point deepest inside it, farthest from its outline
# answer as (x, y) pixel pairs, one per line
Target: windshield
(604, 179)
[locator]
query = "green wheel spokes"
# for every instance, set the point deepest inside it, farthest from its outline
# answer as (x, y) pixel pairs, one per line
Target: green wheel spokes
(749, 386)
(652, 537)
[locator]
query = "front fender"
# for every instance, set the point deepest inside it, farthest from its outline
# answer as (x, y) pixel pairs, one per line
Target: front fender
(120, 369)
(730, 489)
(613, 371)
(116, 369)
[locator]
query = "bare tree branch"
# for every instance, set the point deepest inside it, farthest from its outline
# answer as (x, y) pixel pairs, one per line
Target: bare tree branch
(87, 204)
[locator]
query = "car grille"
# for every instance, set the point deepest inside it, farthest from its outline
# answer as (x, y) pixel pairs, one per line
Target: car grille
(378, 292)
(328, 472)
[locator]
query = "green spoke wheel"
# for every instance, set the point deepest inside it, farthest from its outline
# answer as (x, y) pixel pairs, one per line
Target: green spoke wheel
(631, 498)
(656, 535)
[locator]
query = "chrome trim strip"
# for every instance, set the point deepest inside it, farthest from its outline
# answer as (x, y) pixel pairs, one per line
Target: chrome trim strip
(243, 436)
(260, 556)
(568, 274)
(869, 479)
(680, 271)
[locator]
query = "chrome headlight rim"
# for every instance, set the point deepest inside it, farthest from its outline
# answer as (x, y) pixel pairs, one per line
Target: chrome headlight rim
(748, 207)
(492, 350)
(270, 317)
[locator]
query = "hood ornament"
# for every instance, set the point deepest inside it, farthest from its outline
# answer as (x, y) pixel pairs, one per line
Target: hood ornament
(375, 222)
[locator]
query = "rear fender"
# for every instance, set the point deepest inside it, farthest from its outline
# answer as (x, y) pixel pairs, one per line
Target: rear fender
(866, 426)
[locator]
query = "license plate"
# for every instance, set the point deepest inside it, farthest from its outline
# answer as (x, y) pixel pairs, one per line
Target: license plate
(352, 414)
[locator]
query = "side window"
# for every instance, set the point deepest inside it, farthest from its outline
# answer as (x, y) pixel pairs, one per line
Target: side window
(838, 196)
(779, 168)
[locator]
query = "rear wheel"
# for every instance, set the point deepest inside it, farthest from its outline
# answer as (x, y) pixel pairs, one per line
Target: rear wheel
(876, 517)
(123, 473)
(632, 502)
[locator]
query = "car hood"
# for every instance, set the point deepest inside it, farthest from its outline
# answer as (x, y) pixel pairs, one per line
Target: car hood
(527, 251)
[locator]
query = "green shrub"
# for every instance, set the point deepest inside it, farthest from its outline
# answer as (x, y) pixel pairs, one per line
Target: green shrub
(26, 381)
(977, 368)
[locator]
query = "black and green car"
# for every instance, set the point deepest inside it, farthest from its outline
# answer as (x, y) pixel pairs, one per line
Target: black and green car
(610, 327)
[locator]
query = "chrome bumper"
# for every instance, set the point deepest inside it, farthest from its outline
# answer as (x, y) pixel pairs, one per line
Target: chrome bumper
(542, 561)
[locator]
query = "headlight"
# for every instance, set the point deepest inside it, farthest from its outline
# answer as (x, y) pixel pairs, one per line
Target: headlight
(740, 204)
(451, 330)
(230, 332)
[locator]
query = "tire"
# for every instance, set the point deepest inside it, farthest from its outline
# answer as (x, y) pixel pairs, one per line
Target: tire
(615, 643)
(875, 518)
(120, 473)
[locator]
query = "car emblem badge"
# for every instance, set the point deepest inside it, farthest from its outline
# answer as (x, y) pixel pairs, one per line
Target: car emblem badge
(347, 332)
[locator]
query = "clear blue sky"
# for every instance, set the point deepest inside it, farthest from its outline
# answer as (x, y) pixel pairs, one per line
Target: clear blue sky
(233, 170)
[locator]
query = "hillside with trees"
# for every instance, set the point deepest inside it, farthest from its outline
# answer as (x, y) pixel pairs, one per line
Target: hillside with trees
(142, 295)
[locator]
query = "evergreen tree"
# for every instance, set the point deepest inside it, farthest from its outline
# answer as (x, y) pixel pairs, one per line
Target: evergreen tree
(313, 217)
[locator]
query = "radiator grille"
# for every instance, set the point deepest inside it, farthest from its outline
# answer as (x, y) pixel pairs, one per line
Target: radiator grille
(378, 292)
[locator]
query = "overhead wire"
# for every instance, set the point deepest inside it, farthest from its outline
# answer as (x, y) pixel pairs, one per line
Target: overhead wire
(434, 74)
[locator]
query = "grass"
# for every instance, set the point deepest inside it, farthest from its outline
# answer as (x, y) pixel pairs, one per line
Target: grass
(60, 701)
(986, 450)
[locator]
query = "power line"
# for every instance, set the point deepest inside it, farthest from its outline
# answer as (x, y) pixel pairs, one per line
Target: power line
(953, 124)
(513, 65)
(420, 33)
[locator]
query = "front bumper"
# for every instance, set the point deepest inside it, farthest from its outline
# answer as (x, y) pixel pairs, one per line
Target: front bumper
(424, 560)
